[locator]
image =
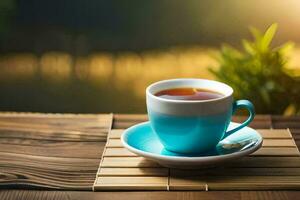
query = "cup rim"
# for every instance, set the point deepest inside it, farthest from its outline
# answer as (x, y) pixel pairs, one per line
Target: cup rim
(148, 93)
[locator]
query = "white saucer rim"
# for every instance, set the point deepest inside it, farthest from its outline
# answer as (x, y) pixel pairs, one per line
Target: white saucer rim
(186, 158)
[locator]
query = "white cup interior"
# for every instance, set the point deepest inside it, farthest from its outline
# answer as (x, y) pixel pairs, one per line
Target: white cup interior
(194, 83)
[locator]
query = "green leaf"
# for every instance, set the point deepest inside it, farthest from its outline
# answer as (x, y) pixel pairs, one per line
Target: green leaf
(230, 51)
(255, 33)
(248, 47)
(268, 37)
(286, 47)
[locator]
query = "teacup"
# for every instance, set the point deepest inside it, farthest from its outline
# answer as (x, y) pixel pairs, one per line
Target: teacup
(197, 126)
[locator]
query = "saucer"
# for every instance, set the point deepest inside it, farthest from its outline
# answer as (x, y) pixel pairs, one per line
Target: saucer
(141, 140)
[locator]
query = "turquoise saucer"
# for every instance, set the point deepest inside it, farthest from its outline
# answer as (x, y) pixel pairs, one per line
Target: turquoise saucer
(141, 140)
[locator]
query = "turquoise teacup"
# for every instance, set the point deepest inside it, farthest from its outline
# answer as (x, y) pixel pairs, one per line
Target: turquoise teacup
(196, 126)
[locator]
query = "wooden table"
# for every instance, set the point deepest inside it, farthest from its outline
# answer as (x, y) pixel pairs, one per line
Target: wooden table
(56, 146)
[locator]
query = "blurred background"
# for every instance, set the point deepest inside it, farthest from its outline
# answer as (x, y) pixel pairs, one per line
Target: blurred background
(99, 56)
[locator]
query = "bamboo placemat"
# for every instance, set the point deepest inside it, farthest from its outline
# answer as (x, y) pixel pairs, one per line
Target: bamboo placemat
(273, 167)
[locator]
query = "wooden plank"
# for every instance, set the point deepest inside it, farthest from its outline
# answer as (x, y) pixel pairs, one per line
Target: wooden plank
(285, 118)
(236, 178)
(275, 133)
(266, 161)
(296, 134)
(124, 125)
(127, 162)
(259, 122)
(15, 115)
(123, 121)
(111, 143)
(18, 179)
(235, 171)
(130, 117)
(243, 162)
(276, 151)
(133, 172)
(279, 143)
(49, 163)
(235, 183)
(297, 143)
(55, 119)
(53, 134)
(131, 183)
(146, 195)
(61, 129)
(253, 183)
(291, 125)
(51, 151)
(118, 152)
(178, 183)
(133, 180)
(291, 122)
(115, 133)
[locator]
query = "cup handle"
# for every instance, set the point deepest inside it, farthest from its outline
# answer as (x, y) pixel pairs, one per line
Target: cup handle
(241, 104)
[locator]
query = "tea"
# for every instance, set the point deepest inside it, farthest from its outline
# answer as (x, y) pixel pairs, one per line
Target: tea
(190, 94)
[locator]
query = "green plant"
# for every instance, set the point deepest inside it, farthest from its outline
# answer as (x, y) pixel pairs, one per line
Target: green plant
(258, 73)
